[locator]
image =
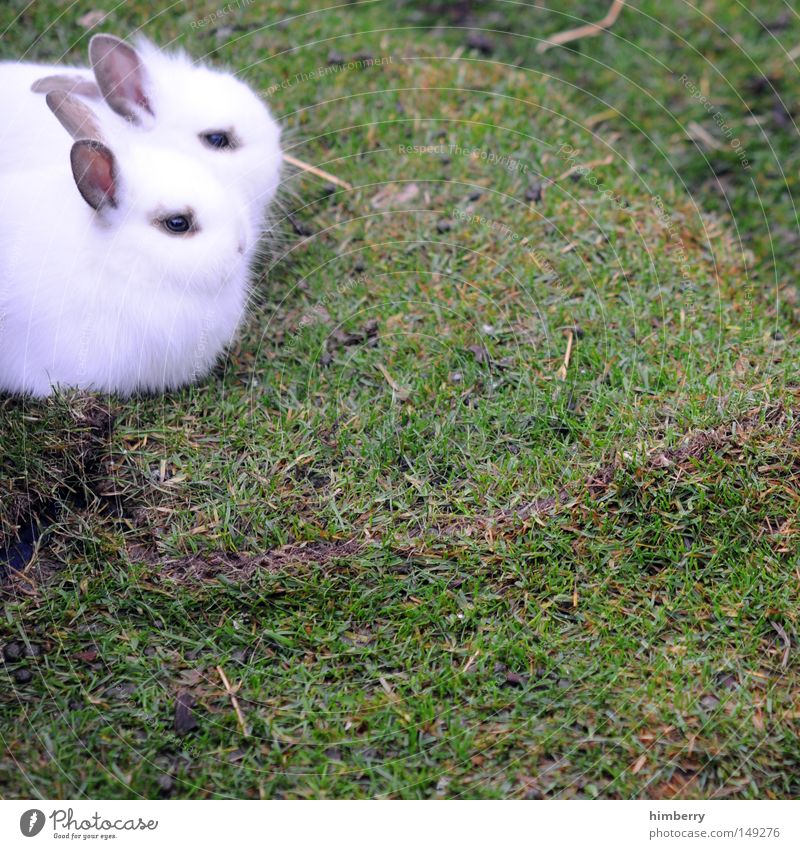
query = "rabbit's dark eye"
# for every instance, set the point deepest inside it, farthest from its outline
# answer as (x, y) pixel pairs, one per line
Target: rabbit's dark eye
(220, 139)
(177, 223)
(217, 139)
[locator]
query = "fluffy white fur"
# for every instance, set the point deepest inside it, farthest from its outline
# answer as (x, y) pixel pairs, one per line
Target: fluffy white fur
(30, 136)
(107, 300)
(187, 100)
(190, 99)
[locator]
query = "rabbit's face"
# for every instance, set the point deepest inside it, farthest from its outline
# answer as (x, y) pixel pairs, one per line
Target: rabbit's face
(208, 115)
(167, 218)
(178, 224)
(219, 120)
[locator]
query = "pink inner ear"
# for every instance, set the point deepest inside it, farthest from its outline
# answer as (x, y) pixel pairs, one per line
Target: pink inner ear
(127, 70)
(101, 174)
(94, 172)
(120, 75)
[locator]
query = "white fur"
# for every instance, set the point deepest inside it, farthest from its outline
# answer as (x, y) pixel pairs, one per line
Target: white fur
(30, 136)
(188, 99)
(108, 300)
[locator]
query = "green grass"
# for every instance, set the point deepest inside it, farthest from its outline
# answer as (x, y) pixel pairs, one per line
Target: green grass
(396, 392)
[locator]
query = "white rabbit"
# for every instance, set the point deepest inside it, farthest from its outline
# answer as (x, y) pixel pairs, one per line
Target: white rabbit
(182, 106)
(122, 269)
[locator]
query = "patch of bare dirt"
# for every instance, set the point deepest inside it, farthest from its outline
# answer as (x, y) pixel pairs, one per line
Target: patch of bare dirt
(240, 567)
(697, 445)
(26, 582)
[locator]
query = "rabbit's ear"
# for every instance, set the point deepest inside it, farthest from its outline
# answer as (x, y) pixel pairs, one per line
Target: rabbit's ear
(70, 83)
(75, 116)
(95, 171)
(121, 76)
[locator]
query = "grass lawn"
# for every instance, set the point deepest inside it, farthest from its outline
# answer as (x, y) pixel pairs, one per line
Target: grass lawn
(498, 493)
